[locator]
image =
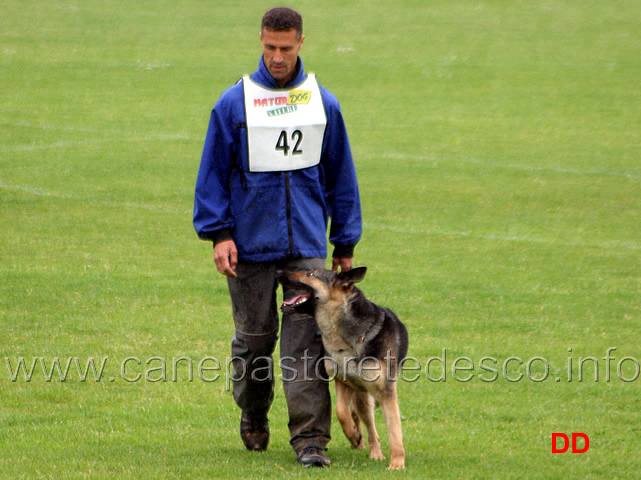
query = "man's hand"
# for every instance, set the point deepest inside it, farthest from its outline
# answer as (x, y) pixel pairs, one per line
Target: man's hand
(344, 264)
(226, 257)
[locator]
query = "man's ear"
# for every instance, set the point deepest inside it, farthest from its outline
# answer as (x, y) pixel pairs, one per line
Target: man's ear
(350, 277)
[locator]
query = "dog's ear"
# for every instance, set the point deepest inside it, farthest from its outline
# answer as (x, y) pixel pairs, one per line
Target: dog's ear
(350, 277)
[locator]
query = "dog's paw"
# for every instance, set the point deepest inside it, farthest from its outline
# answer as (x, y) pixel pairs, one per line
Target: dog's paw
(397, 464)
(376, 454)
(357, 439)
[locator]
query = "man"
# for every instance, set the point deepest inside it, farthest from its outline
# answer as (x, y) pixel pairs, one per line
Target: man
(276, 166)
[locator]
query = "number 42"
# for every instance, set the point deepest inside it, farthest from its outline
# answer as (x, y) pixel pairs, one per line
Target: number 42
(283, 142)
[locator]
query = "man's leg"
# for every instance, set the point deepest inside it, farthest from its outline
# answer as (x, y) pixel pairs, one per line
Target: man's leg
(253, 296)
(306, 391)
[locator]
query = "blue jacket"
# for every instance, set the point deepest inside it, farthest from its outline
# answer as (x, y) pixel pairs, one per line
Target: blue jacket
(276, 215)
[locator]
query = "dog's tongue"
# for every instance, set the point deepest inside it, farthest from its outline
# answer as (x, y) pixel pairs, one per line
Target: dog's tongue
(295, 300)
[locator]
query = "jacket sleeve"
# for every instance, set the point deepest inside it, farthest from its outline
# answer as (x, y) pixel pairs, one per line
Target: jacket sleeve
(341, 186)
(212, 218)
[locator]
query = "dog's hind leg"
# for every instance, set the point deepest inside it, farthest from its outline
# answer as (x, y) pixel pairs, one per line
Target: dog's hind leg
(392, 414)
(349, 422)
(365, 407)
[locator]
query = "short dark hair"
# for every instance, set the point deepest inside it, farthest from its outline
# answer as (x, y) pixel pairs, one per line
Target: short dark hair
(282, 19)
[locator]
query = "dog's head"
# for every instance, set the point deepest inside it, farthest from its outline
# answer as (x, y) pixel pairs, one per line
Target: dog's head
(317, 286)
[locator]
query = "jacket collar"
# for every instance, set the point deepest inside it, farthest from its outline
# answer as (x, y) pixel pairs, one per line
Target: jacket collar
(264, 78)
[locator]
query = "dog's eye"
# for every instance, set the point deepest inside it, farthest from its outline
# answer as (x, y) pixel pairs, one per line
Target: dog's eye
(310, 273)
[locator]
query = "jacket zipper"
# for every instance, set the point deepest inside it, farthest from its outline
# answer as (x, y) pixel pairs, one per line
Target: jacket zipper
(288, 203)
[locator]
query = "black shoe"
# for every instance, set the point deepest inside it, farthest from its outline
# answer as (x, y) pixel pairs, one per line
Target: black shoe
(312, 457)
(255, 432)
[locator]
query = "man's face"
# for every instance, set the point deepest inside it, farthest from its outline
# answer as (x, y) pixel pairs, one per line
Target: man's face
(280, 53)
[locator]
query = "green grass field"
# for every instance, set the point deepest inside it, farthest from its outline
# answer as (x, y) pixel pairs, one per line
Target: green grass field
(497, 145)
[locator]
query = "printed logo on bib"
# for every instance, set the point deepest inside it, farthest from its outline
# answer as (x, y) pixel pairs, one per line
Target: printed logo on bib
(299, 96)
(296, 97)
(282, 110)
(270, 102)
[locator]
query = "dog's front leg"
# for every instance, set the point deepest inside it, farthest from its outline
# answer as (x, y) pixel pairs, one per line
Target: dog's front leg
(365, 407)
(392, 414)
(349, 423)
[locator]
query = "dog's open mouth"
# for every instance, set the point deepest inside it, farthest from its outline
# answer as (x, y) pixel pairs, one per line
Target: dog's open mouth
(290, 304)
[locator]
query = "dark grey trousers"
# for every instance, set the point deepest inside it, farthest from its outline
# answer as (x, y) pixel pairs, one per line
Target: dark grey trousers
(253, 296)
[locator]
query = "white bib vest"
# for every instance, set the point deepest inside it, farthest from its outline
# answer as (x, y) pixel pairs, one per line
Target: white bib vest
(285, 128)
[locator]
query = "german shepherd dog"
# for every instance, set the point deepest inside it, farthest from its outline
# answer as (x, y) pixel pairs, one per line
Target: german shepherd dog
(364, 344)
